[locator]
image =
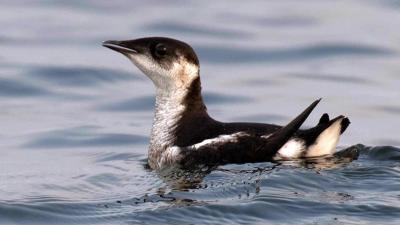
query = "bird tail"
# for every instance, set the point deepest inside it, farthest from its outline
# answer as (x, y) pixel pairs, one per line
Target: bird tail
(280, 137)
(328, 136)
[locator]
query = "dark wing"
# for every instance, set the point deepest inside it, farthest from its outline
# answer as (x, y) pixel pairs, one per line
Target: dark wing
(275, 141)
(243, 147)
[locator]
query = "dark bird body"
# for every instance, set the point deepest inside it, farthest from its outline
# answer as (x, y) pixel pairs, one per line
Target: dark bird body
(183, 133)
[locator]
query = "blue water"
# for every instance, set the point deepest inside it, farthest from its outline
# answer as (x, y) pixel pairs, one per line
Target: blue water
(75, 117)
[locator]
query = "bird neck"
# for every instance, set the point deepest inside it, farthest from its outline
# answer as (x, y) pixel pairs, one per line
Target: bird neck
(176, 114)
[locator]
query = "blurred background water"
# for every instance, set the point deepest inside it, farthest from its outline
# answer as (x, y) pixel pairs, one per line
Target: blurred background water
(75, 117)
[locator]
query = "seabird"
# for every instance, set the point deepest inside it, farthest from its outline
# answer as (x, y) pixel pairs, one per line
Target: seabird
(184, 134)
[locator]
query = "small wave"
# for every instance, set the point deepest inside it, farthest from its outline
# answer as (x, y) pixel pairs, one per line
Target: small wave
(146, 103)
(331, 78)
(382, 152)
(117, 156)
(82, 137)
(78, 76)
(395, 110)
(217, 54)
(180, 28)
(56, 211)
(14, 88)
(281, 21)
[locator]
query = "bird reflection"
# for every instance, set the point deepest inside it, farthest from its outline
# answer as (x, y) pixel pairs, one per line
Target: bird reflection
(185, 179)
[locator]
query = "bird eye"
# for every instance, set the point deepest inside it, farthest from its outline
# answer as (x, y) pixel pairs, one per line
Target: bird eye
(160, 50)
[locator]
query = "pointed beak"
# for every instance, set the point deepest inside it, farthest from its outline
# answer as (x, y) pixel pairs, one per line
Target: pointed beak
(119, 46)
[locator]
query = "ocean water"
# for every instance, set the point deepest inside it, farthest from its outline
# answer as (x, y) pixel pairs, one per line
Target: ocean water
(75, 117)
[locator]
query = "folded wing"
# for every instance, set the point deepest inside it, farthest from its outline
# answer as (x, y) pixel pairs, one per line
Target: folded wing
(242, 147)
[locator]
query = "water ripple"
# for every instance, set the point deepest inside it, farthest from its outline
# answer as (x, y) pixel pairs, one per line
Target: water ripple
(176, 27)
(282, 21)
(390, 109)
(383, 153)
(116, 156)
(78, 76)
(82, 137)
(18, 88)
(331, 78)
(146, 103)
(57, 168)
(217, 54)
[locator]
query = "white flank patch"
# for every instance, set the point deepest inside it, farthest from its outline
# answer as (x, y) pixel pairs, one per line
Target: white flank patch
(291, 149)
(266, 136)
(173, 151)
(221, 139)
(169, 156)
(326, 141)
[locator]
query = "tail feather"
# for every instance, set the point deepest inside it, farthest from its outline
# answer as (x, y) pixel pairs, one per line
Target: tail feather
(326, 141)
(345, 123)
(281, 136)
(324, 119)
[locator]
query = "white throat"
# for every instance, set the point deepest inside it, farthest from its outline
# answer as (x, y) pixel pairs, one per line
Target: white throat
(179, 75)
(172, 86)
(169, 110)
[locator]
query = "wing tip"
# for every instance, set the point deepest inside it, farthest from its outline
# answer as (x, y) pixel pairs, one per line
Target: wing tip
(281, 136)
(345, 123)
(324, 119)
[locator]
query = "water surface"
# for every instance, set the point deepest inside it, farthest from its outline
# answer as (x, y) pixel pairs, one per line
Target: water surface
(76, 117)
